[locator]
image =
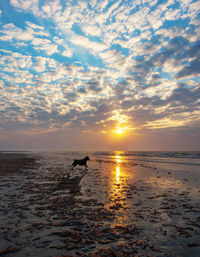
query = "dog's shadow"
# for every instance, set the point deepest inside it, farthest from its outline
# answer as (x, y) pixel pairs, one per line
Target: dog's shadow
(70, 183)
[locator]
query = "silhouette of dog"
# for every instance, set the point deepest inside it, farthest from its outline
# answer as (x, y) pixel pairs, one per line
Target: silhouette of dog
(82, 162)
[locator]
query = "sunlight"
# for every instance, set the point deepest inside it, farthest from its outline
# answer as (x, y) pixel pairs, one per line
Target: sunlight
(118, 130)
(117, 184)
(117, 174)
(118, 158)
(123, 130)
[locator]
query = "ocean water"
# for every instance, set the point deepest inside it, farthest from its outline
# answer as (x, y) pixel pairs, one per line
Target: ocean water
(186, 158)
(185, 162)
(173, 157)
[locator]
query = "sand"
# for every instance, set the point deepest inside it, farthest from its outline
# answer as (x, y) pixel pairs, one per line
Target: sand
(119, 207)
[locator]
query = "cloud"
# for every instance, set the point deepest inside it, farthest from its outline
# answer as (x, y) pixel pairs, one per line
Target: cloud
(172, 14)
(113, 59)
(185, 95)
(26, 5)
(94, 86)
(51, 8)
(40, 65)
(11, 32)
(163, 90)
(42, 44)
(36, 29)
(92, 30)
(82, 41)
(67, 53)
(189, 71)
(74, 64)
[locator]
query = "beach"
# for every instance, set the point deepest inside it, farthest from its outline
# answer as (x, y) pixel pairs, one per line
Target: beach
(126, 204)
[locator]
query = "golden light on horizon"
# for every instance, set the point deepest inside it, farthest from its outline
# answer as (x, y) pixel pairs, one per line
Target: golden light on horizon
(123, 126)
(123, 130)
(121, 121)
(118, 158)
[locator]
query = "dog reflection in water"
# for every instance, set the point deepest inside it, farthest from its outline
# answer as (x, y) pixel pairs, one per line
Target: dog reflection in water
(82, 162)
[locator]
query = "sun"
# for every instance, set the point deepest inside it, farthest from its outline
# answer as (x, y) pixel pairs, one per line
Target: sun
(118, 130)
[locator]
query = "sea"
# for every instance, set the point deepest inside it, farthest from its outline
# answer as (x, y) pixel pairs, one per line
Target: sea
(174, 157)
(190, 157)
(184, 161)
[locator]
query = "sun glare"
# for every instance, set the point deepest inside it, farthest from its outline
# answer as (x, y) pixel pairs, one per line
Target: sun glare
(118, 158)
(118, 131)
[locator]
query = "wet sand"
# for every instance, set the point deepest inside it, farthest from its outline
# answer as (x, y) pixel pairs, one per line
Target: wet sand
(118, 207)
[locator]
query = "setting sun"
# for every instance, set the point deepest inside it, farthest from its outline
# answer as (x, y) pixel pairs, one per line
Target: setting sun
(119, 131)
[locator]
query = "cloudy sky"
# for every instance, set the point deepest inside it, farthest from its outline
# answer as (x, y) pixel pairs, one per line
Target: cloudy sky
(99, 74)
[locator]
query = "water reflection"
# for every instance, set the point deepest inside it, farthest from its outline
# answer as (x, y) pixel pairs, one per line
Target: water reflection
(118, 161)
(118, 158)
(118, 182)
(117, 173)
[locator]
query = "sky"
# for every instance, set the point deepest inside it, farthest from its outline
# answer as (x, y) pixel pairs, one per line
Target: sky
(99, 75)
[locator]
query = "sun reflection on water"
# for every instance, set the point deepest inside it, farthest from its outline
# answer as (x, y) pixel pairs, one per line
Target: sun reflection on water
(118, 158)
(118, 161)
(118, 173)
(118, 182)
(118, 168)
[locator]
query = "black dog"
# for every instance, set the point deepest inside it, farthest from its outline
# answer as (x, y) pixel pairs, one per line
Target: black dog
(80, 162)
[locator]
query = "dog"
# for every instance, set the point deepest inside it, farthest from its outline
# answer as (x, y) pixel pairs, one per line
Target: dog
(82, 162)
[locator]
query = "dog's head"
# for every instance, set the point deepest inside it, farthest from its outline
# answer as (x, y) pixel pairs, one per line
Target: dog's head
(87, 158)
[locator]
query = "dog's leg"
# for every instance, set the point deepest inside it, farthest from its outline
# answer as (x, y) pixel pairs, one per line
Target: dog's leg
(72, 166)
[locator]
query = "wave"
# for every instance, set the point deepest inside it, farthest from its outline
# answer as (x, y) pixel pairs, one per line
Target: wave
(189, 154)
(185, 158)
